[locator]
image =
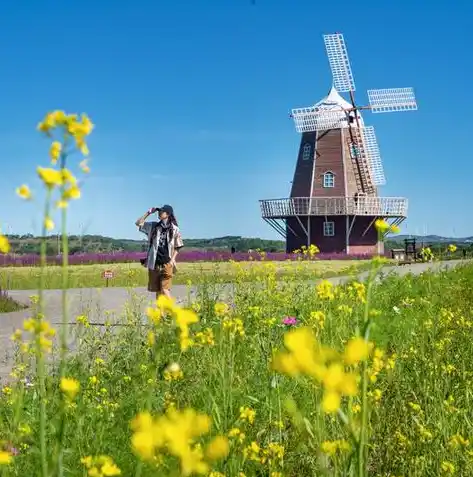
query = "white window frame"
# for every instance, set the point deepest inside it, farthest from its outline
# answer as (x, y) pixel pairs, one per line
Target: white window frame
(331, 176)
(306, 150)
(329, 229)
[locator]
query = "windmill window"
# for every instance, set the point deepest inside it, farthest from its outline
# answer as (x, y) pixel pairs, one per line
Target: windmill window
(306, 151)
(329, 229)
(329, 179)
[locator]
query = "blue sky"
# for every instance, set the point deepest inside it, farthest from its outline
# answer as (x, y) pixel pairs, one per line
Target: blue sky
(191, 99)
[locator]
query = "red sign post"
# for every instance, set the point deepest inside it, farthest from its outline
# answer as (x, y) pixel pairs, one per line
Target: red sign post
(107, 275)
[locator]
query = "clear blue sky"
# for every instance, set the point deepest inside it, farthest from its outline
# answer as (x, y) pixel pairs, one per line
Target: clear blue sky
(191, 101)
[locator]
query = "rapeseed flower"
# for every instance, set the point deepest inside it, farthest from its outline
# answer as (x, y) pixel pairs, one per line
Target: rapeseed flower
(5, 458)
(24, 192)
(100, 466)
(4, 244)
(70, 387)
(356, 350)
(55, 151)
(174, 432)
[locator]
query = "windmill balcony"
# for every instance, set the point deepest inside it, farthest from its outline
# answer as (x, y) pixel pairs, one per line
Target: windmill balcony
(320, 206)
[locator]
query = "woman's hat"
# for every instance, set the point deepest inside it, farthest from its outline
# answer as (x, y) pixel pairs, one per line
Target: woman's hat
(166, 208)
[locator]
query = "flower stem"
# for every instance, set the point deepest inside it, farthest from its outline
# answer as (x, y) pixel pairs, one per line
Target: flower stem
(364, 377)
(65, 318)
(39, 351)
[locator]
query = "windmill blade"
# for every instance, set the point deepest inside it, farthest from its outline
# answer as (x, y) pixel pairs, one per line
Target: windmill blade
(339, 63)
(374, 157)
(310, 119)
(392, 100)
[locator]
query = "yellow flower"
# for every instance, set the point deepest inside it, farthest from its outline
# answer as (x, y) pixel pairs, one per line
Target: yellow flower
(4, 244)
(24, 192)
(217, 448)
(100, 466)
(50, 177)
(325, 290)
(55, 151)
(356, 350)
(5, 458)
(247, 414)
(70, 387)
(221, 309)
(48, 223)
(73, 192)
(452, 248)
(331, 402)
(447, 467)
(381, 226)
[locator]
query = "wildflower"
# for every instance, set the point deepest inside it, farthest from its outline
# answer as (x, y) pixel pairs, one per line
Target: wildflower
(83, 320)
(221, 309)
(205, 337)
(458, 440)
(331, 402)
(234, 325)
(72, 192)
(175, 431)
(217, 448)
(236, 433)
(252, 452)
(55, 151)
(70, 387)
(24, 192)
(447, 467)
(452, 248)
(356, 350)
(5, 458)
(247, 414)
(50, 177)
(325, 290)
(100, 466)
(290, 320)
(332, 447)
(48, 223)
(173, 371)
(381, 226)
(4, 244)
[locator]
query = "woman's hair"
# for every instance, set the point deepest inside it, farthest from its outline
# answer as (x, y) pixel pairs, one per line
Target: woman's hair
(173, 221)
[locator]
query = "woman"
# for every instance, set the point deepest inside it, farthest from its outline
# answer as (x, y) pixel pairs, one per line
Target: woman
(164, 243)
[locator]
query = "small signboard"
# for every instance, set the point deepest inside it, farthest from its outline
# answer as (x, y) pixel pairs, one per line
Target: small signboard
(107, 275)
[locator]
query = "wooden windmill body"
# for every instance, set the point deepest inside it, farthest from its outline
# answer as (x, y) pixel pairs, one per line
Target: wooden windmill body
(334, 199)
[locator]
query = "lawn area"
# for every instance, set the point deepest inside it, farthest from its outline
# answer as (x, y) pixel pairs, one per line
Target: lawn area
(134, 275)
(293, 380)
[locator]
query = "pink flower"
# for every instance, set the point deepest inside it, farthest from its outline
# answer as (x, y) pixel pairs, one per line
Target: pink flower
(290, 320)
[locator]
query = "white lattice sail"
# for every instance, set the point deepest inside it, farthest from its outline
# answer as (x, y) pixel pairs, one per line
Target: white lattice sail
(373, 155)
(310, 119)
(339, 63)
(392, 100)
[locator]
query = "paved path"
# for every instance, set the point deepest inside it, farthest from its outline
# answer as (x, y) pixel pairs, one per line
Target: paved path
(94, 303)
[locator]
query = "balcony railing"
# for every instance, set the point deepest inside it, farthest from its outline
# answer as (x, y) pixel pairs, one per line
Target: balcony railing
(370, 206)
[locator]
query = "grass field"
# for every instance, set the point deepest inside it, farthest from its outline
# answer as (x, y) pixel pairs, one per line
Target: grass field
(126, 274)
(397, 404)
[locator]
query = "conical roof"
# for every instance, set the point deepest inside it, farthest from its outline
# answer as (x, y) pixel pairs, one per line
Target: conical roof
(334, 102)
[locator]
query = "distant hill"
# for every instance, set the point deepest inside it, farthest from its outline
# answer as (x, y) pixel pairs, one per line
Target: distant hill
(433, 239)
(29, 244)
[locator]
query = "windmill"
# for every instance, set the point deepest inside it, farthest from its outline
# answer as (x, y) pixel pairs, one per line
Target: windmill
(334, 199)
